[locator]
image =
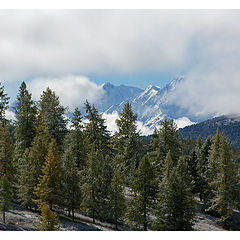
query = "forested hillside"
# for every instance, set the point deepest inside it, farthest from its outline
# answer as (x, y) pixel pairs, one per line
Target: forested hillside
(49, 166)
(230, 124)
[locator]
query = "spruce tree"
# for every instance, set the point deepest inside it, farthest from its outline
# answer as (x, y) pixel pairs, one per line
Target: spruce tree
(144, 187)
(128, 141)
(91, 185)
(48, 221)
(95, 130)
(31, 169)
(175, 210)
(213, 164)
(71, 182)
(76, 140)
(49, 188)
(193, 172)
(25, 112)
(202, 168)
(7, 178)
(226, 182)
(52, 117)
(4, 101)
(117, 198)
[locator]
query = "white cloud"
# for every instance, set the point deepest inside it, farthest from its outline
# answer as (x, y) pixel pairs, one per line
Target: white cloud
(72, 90)
(202, 43)
(10, 115)
(61, 42)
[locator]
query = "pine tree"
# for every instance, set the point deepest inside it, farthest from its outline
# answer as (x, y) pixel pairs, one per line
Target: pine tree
(226, 182)
(129, 145)
(193, 172)
(95, 130)
(202, 168)
(91, 185)
(52, 117)
(4, 101)
(144, 187)
(48, 221)
(214, 163)
(31, 169)
(117, 198)
(49, 187)
(71, 182)
(168, 140)
(6, 170)
(76, 140)
(175, 210)
(25, 112)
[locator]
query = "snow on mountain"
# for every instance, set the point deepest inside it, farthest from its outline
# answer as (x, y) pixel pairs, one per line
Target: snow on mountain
(151, 105)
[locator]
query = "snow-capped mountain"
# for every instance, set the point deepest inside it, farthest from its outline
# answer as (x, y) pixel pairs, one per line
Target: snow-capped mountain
(152, 105)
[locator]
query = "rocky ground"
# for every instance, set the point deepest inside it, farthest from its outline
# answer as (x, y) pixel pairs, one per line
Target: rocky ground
(20, 219)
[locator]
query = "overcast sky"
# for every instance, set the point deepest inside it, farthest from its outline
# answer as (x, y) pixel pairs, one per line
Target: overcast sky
(75, 51)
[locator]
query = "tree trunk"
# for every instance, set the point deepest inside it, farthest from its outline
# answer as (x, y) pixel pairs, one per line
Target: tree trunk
(69, 212)
(4, 217)
(73, 215)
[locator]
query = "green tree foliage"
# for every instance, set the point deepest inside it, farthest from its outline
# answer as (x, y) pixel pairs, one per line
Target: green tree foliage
(144, 187)
(49, 188)
(25, 112)
(48, 221)
(96, 130)
(214, 163)
(71, 182)
(165, 140)
(96, 188)
(4, 101)
(129, 145)
(227, 192)
(52, 117)
(193, 172)
(6, 170)
(202, 168)
(30, 166)
(175, 210)
(91, 185)
(76, 140)
(117, 198)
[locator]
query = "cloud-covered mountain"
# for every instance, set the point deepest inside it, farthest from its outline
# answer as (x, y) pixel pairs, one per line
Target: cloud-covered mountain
(152, 105)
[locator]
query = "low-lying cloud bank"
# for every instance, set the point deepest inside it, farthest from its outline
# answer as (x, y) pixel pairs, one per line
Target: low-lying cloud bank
(72, 90)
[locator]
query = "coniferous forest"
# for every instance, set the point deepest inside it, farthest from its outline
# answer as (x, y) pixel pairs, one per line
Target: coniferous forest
(51, 166)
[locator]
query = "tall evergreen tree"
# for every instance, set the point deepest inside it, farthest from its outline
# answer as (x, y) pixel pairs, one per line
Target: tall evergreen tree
(91, 185)
(129, 145)
(76, 140)
(175, 210)
(52, 117)
(71, 182)
(49, 187)
(4, 101)
(226, 182)
(31, 169)
(144, 187)
(214, 163)
(96, 130)
(25, 112)
(202, 168)
(6, 170)
(117, 198)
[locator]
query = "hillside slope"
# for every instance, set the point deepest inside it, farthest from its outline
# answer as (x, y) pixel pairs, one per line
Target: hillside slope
(230, 124)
